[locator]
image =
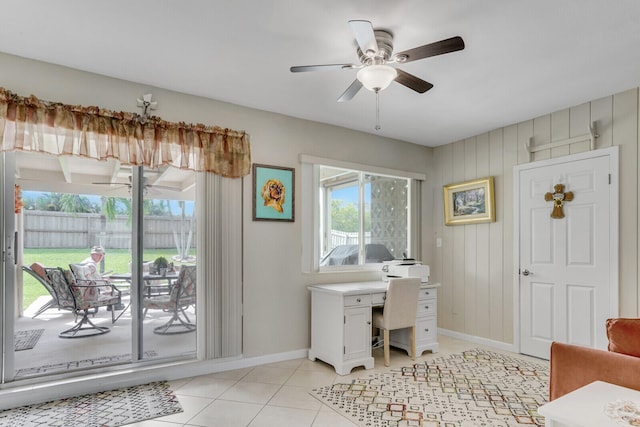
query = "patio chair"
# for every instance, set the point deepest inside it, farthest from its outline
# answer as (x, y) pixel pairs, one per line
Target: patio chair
(36, 270)
(181, 296)
(87, 275)
(84, 300)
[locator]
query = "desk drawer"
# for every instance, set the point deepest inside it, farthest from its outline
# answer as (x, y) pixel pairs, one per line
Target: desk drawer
(378, 299)
(426, 329)
(427, 293)
(427, 307)
(357, 300)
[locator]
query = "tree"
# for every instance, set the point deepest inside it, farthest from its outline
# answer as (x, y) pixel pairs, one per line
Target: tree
(149, 207)
(61, 202)
(75, 203)
(344, 217)
(48, 202)
(182, 237)
(108, 207)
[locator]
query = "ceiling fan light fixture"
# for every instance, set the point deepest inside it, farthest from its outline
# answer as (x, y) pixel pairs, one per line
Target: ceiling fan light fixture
(377, 77)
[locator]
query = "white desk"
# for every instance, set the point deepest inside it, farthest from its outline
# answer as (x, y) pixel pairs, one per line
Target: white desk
(585, 407)
(341, 323)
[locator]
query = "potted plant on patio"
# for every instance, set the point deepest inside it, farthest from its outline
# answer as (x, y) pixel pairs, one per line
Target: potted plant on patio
(161, 265)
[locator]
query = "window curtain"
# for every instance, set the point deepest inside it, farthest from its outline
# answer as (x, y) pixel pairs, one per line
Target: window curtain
(30, 124)
(220, 243)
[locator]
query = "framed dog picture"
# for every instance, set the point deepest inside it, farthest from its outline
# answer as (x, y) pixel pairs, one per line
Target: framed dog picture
(273, 193)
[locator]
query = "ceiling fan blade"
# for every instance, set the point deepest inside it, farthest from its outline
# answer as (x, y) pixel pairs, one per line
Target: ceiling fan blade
(113, 186)
(164, 187)
(366, 38)
(111, 183)
(327, 67)
(412, 82)
(438, 48)
(351, 91)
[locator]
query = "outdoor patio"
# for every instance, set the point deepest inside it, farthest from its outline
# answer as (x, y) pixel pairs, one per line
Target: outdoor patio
(52, 354)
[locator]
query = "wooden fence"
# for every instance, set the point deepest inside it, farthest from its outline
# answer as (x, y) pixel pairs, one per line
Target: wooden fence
(43, 229)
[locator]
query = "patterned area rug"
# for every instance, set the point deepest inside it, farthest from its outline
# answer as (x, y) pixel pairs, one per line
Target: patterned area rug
(106, 409)
(26, 340)
(474, 388)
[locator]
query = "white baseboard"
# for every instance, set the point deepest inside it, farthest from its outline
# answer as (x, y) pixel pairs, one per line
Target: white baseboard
(220, 365)
(21, 393)
(479, 340)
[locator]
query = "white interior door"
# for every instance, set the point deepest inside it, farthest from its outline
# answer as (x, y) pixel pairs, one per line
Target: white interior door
(568, 266)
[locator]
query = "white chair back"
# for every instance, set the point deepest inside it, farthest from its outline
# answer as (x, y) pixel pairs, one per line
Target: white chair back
(401, 303)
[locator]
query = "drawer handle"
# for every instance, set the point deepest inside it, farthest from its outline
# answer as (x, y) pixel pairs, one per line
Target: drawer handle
(384, 297)
(426, 307)
(426, 330)
(357, 299)
(427, 293)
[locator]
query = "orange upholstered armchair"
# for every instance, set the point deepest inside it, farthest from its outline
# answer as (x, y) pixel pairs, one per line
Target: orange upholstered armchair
(573, 366)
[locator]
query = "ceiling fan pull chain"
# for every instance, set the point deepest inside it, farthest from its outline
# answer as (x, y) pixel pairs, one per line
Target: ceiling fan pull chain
(377, 110)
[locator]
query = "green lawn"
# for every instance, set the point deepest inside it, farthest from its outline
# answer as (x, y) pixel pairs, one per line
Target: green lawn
(116, 260)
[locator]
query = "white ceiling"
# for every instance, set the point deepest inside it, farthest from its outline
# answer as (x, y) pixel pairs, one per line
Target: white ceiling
(523, 58)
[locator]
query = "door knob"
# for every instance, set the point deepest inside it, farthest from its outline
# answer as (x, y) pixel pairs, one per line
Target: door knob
(526, 272)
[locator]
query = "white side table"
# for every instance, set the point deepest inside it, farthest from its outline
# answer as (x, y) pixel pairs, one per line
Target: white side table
(585, 407)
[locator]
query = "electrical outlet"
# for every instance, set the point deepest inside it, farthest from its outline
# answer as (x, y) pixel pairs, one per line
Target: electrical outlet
(439, 242)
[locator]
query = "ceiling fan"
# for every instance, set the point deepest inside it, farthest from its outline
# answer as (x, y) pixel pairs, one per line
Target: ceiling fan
(375, 48)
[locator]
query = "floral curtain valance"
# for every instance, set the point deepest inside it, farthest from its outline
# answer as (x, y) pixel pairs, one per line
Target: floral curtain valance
(30, 124)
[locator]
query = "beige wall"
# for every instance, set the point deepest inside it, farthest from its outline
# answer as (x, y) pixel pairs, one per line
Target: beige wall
(276, 301)
(475, 263)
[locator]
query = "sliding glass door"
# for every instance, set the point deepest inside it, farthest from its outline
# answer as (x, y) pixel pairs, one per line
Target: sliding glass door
(104, 227)
(7, 265)
(169, 261)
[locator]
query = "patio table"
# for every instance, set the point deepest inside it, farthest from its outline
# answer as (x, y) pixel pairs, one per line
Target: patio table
(151, 288)
(150, 281)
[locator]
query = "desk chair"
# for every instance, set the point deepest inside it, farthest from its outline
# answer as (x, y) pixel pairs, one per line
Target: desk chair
(399, 311)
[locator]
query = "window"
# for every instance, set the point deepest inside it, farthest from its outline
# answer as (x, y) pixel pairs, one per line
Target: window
(361, 217)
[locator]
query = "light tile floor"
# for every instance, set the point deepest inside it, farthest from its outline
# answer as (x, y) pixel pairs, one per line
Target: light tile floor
(277, 394)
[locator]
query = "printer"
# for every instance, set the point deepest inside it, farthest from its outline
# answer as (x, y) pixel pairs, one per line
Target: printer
(404, 268)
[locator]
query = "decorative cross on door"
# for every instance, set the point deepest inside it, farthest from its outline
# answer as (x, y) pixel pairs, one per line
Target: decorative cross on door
(558, 197)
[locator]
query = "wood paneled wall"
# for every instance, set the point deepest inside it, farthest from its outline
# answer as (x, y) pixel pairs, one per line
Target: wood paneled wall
(475, 262)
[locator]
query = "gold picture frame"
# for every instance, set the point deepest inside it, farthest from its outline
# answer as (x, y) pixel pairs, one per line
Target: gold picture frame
(469, 202)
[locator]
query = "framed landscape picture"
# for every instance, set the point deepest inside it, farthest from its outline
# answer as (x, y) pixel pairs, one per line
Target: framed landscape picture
(469, 202)
(273, 193)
